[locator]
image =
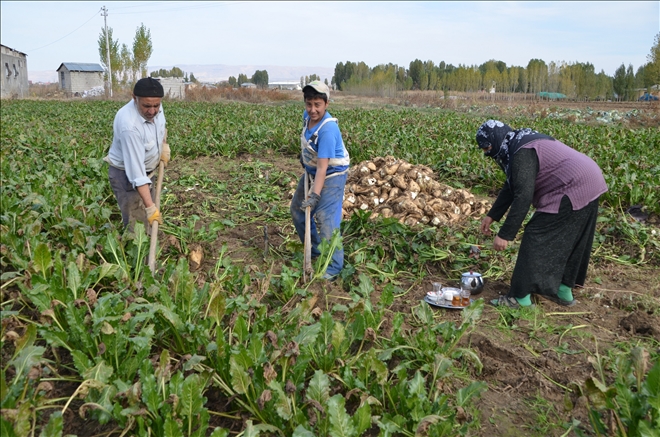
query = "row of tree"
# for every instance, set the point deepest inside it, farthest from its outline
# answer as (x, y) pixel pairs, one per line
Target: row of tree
(127, 64)
(575, 80)
(259, 78)
(174, 72)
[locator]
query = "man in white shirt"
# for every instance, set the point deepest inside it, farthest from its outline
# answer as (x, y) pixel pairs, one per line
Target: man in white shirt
(138, 145)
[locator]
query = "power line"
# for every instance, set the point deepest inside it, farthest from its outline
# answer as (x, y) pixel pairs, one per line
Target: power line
(178, 8)
(39, 48)
(114, 8)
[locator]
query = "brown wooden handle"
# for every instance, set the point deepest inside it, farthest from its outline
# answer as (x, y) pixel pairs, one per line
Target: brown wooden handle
(307, 259)
(153, 243)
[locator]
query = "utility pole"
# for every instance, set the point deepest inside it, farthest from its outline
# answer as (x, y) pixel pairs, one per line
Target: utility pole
(107, 48)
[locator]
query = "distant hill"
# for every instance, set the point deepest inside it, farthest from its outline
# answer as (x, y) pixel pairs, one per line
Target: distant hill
(219, 72)
(43, 76)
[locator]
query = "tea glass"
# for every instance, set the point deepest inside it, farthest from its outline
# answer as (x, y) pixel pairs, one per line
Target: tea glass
(437, 291)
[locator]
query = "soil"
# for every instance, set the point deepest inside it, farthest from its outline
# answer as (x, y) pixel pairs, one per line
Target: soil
(527, 365)
(530, 364)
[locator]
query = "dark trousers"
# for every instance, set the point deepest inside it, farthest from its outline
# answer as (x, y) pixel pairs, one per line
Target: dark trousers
(555, 249)
(129, 200)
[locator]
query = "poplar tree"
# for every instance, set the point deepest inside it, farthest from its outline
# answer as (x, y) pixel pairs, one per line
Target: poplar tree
(260, 78)
(142, 49)
(115, 58)
(652, 69)
(619, 82)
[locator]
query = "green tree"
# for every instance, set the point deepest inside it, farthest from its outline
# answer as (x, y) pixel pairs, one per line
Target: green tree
(242, 78)
(415, 71)
(537, 75)
(630, 84)
(348, 71)
(193, 79)
(142, 49)
(401, 76)
(554, 77)
(604, 86)
(424, 81)
(619, 82)
(260, 78)
(115, 58)
(126, 64)
(338, 77)
(163, 72)
(652, 70)
(584, 78)
(523, 84)
(492, 75)
(232, 81)
(640, 77)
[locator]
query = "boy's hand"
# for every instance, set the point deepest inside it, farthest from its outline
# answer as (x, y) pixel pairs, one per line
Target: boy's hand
(312, 201)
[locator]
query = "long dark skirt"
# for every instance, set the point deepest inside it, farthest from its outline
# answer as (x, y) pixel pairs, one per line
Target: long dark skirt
(555, 249)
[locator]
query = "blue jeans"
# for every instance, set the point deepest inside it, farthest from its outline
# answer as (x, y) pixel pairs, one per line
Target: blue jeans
(326, 217)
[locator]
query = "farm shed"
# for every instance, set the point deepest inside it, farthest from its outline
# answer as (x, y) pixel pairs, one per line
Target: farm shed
(76, 77)
(173, 87)
(14, 73)
(248, 85)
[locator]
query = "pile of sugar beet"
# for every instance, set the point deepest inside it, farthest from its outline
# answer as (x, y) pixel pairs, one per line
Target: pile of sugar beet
(391, 187)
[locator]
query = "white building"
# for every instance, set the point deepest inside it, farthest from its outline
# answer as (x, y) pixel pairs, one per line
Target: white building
(173, 87)
(285, 85)
(14, 73)
(75, 77)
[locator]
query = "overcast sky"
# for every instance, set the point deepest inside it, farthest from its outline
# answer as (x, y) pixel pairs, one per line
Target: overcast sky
(321, 34)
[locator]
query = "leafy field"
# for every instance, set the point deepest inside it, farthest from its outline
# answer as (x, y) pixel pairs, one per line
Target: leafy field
(93, 343)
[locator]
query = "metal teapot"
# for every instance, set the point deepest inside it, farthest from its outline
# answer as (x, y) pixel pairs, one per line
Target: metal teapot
(473, 282)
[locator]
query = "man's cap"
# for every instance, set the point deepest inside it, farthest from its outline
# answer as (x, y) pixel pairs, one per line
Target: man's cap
(148, 87)
(319, 87)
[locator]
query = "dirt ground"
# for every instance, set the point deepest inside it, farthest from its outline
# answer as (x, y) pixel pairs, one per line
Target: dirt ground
(529, 363)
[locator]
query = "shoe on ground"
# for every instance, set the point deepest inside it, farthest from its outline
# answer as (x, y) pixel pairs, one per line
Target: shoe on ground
(560, 301)
(328, 277)
(508, 302)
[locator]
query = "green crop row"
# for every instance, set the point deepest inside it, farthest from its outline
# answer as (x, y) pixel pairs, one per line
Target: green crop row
(440, 139)
(144, 351)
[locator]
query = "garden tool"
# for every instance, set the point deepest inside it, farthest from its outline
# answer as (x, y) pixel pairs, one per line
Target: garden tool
(307, 260)
(154, 227)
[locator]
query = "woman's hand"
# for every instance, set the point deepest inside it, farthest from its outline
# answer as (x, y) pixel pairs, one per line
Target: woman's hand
(485, 225)
(499, 243)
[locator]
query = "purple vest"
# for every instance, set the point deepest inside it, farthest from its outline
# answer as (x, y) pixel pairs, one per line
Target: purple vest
(564, 171)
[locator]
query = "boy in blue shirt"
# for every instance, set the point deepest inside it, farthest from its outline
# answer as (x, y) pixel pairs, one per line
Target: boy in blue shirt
(326, 161)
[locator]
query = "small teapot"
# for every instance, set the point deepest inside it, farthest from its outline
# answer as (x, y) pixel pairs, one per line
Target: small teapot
(473, 282)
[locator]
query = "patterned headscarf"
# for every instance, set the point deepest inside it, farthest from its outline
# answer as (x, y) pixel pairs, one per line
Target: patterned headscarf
(504, 141)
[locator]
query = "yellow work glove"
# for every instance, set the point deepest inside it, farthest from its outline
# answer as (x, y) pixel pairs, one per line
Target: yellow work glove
(165, 154)
(153, 215)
